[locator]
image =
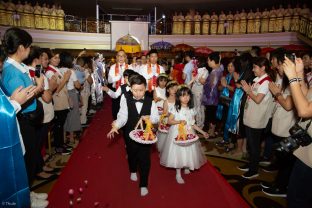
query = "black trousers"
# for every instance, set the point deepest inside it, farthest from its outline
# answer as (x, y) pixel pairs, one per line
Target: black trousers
(299, 193)
(42, 135)
(253, 142)
(28, 132)
(139, 159)
(115, 107)
(210, 116)
(58, 130)
(284, 162)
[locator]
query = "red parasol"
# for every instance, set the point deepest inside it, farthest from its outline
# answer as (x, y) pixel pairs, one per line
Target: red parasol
(182, 47)
(293, 47)
(203, 51)
(266, 50)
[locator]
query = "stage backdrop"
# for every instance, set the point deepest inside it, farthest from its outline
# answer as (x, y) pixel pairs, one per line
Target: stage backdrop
(137, 29)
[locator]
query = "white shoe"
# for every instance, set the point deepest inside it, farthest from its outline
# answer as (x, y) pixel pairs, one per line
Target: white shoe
(42, 196)
(133, 177)
(180, 180)
(37, 203)
(187, 171)
(144, 191)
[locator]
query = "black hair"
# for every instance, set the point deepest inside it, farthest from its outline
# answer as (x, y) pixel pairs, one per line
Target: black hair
(189, 54)
(243, 65)
(128, 73)
(152, 51)
(182, 92)
(137, 80)
(214, 56)
(80, 61)
(66, 60)
(169, 85)
(202, 62)
(178, 59)
(88, 61)
(261, 61)
(161, 77)
(13, 38)
(256, 49)
(50, 52)
(34, 53)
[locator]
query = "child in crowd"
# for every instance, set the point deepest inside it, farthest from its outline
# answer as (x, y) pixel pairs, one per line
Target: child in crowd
(257, 112)
(135, 105)
(160, 91)
(171, 90)
(175, 156)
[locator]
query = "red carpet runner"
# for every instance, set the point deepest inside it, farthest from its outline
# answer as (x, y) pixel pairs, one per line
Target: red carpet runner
(103, 164)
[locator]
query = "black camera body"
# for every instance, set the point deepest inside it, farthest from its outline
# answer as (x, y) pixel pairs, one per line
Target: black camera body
(38, 70)
(298, 137)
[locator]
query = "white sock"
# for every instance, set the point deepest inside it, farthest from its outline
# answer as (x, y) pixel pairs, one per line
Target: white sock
(179, 177)
(133, 177)
(187, 171)
(144, 191)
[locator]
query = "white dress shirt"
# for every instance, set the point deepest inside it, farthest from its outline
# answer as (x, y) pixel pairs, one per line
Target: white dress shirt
(116, 94)
(113, 78)
(144, 68)
(122, 116)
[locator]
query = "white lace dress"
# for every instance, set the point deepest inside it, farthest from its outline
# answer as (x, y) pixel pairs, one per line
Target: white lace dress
(161, 136)
(161, 93)
(176, 156)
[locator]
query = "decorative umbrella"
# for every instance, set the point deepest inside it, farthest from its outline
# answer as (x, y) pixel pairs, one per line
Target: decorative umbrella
(129, 44)
(203, 51)
(266, 50)
(293, 47)
(162, 45)
(182, 47)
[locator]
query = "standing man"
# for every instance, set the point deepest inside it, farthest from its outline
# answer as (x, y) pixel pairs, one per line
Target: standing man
(151, 71)
(188, 68)
(116, 79)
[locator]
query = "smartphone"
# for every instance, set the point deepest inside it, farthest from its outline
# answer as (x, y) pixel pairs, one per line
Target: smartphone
(38, 70)
(291, 57)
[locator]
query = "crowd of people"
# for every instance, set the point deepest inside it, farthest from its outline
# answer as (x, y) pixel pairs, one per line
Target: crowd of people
(241, 22)
(252, 102)
(32, 16)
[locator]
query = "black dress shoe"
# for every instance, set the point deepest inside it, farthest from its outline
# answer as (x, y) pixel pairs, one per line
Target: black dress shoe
(52, 177)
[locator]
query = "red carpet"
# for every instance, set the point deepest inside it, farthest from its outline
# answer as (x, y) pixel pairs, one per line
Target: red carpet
(103, 164)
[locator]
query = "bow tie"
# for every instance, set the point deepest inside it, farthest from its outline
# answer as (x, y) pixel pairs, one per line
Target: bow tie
(140, 101)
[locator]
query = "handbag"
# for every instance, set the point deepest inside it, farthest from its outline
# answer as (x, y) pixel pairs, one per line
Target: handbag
(225, 100)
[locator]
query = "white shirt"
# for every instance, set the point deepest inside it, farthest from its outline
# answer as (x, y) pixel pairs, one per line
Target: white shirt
(50, 73)
(188, 69)
(143, 71)
(73, 78)
(113, 78)
(116, 94)
(122, 116)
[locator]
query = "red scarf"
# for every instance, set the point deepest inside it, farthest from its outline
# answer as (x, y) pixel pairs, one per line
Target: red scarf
(119, 82)
(151, 83)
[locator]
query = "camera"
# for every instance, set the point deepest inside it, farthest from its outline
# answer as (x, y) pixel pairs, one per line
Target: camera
(38, 70)
(298, 137)
(291, 57)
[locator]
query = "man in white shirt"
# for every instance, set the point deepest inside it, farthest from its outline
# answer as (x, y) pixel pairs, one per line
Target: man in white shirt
(151, 71)
(188, 69)
(116, 79)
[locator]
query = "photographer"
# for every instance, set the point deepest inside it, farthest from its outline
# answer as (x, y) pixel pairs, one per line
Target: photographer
(300, 184)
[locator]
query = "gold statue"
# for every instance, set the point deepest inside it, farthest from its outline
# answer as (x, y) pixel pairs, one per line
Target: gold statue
(214, 24)
(180, 24)
(45, 17)
(243, 22)
(250, 22)
(257, 21)
(10, 8)
(174, 23)
(272, 20)
(229, 21)
(60, 18)
(18, 17)
(287, 18)
(265, 21)
(279, 19)
(205, 28)
(3, 15)
(222, 18)
(38, 18)
(295, 22)
(197, 20)
(236, 26)
(305, 14)
(188, 24)
(53, 18)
